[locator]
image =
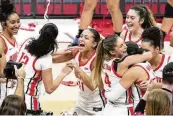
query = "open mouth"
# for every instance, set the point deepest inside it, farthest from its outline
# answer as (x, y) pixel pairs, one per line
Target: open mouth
(81, 45)
(130, 25)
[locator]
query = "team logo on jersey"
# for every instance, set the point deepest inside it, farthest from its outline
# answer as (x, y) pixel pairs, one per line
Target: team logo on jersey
(14, 56)
(107, 67)
(85, 68)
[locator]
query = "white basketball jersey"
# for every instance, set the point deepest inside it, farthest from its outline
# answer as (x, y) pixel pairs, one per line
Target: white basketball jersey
(159, 70)
(11, 50)
(128, 37)
(33, 68)
(88, 99)
(111, 78)
(171, 58)
(137, 92)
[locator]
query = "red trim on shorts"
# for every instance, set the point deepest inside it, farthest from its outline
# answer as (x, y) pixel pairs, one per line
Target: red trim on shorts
(131, 110)
(36, 104)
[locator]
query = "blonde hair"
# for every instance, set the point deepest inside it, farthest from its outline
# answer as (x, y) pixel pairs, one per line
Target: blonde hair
(158, 103)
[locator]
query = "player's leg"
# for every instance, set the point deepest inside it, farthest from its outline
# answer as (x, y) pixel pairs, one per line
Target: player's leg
(167, 22)
(86, 17)
(117, 18)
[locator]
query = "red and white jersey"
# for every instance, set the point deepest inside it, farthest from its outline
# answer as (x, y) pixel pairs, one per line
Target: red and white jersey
(111, 78)
(88, 99)
(171, 58)
(11, 50)
(128, 37)
(159, 70)
(137, 92)
(33, 68)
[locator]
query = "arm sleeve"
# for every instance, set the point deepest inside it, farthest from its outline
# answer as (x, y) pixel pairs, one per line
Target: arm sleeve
(115, 92)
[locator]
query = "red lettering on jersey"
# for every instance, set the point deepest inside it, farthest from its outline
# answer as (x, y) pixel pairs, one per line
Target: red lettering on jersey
(24, 58)
(107, 67)
(81, 86)
(148, 68)
(107, 81)
(14, 57)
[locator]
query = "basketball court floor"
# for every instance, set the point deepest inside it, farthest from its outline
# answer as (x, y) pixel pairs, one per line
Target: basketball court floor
(64, 97)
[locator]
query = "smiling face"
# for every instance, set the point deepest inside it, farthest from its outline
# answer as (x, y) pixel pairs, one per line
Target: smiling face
(12, 24)
(86, 41)
(120, 48)
(133, 20)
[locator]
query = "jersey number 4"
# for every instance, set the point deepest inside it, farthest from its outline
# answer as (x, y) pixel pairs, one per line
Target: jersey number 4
(24, 58)
(107, 81)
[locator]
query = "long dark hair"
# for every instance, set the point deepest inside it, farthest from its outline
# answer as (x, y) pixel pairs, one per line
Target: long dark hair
(46, 42)
(6, 9)
(13, 105)
(96, 36)
(144, 14)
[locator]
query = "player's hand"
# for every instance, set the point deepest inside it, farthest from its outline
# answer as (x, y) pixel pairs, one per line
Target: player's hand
(155, 83)
(143, 85)
(20, 73)
(66, 70)
(74, 65)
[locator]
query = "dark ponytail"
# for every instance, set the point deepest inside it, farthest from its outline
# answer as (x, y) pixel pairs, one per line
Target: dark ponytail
(46, 42)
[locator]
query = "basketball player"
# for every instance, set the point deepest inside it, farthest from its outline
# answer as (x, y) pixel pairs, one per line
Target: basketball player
(90, 102)
(10, 22)
(138, 18)
(145, 70)
(109, 49)
(87, 14)
(151, 41)
(36, 55)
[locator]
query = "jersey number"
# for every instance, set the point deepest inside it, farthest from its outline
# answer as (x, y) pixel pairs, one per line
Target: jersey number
(81, 86)
(107, 81)
(24, 58)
